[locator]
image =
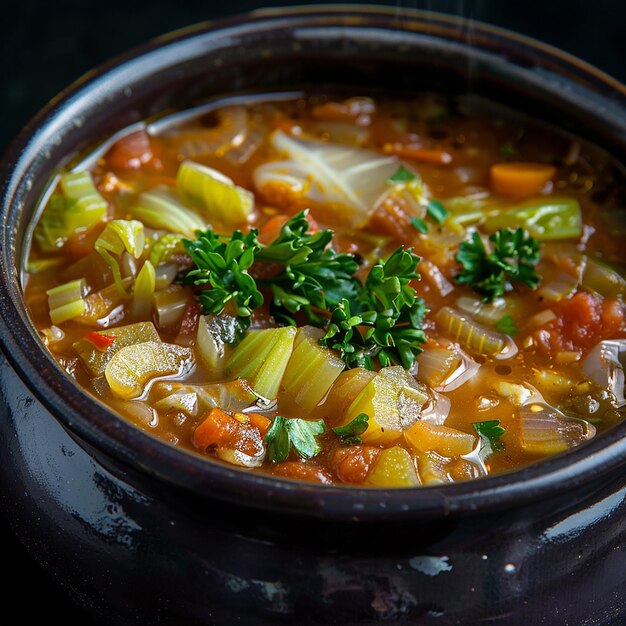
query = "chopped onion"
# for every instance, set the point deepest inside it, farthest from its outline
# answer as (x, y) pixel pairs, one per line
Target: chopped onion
(164, 275)
(184, 400)
(476, 339)
(170, 305)
(436, 278)
(237, 457)
(540, 319)
(433, 469)
(486, 313)
(436, 410)
(559, 289)
(603, 280)
(545, 430)
(603, 367)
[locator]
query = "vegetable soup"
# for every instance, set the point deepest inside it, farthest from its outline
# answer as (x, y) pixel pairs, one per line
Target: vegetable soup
(386, 293)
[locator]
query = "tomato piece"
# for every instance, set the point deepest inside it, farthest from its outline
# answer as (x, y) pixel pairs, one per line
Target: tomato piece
(130, 152)
(303, 471)
(101, 342)
(353, 463)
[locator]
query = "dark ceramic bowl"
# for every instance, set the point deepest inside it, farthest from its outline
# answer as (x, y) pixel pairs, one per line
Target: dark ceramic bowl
(140, 532)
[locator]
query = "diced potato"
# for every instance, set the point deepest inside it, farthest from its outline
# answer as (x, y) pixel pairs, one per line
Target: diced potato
(426, 437)
(133, 366)
(433, 469)
(394, 468)
(393, 401)
(96, 360)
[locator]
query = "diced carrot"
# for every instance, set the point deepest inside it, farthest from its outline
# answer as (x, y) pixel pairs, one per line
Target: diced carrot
(217, 427)
(302, 471)
(355, 110)
(392, 218)
(261, 422)
(131, 151)
(271, 229)
(353, 463)
(101, 342)
(520, 180)
(416, 152)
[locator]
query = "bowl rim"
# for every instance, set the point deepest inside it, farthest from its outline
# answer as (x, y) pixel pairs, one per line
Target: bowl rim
(111, 434)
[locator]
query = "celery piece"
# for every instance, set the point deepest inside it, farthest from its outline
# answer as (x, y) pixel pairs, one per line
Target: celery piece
(162, 210)
(602, 279)
(67, 311)
(475, 338)
(394, 468)
(96, 360)
(120, 235)
(66, 301)
(393, 401)
(36, 266)
(131, 367)
(262, 358)
(143, 294)
(544, 218)
(80, 207)
(310, 373)
(218, 196)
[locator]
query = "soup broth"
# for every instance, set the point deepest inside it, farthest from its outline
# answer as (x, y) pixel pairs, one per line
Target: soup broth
(388, 292)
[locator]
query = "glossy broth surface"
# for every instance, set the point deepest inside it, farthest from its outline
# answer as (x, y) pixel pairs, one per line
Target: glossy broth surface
(555, 381)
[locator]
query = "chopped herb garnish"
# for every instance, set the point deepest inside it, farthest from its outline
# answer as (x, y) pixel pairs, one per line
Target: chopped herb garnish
(403, 175)
(318, 283)
(490, 432)
(390, 309)
(349, 434)
(507, 325)
(512, 258)
(419, 224)
(301, 434)
(437, 211)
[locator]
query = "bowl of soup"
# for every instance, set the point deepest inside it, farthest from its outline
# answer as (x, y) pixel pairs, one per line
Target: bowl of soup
(313, 288)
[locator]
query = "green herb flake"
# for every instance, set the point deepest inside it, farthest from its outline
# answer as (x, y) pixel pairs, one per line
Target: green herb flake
(403, 175)
(349, 434)
(301, 434)
(512, 257)
(437, 211)
(507, 325)
(490, 432)
(419, 224)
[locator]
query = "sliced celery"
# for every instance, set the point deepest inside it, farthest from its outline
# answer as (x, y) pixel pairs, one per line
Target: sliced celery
(310, 373)
(162, 210)
(164, 247)
(120, 235)
(218, 196)
(143, 294)
(602, 279)
(130, 368)
(95, 360)
(544, 218)
(67, 301)
(36, 266)
(80, 207)
(261, 358)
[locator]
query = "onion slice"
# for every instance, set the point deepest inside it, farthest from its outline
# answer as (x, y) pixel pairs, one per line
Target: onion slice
(603, 367)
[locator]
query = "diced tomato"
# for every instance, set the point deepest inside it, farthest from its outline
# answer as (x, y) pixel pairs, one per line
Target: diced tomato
(301, 471)
(101, 342)
(353, 463)
(581, 322)
(416, 152)
(215, 429)
(131, 152)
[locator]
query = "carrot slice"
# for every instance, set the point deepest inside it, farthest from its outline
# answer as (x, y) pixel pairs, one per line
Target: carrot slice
(417, 153)
(520, 180)
(261, 422)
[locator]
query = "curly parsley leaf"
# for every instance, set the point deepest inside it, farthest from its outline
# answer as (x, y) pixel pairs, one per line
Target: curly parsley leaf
(513, 257)
(386, 321)
(300, 434)
(437, 211)
(402, 175)
(349, 434)
(419, 224)
(490, 433)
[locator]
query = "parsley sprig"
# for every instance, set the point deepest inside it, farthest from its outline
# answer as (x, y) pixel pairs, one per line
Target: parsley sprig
(318, 282)
(490, 432)
(512, 257)
(390, 313)
(300, 434)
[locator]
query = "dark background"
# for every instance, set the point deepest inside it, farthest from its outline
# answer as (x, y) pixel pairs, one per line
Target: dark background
(48, 44)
